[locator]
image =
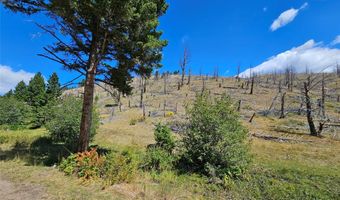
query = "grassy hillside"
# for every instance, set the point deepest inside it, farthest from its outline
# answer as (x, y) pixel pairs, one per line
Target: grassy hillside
(288, 163)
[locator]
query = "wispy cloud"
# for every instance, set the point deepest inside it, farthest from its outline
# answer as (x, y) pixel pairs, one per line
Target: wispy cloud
(10, 78)
(315, 56)
(185, 39)
(35, 35)
(286, 17)
(336, 40)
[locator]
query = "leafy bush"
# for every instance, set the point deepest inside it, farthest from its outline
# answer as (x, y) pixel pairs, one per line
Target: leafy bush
(63, 121)
(160, 156)
(158, 159)
(215, 142)
(13, 113)
(87, 165)
(121, 167)
(164, 139)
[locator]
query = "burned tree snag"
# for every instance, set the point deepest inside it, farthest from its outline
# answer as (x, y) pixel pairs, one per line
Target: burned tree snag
(165, 82)
(323, 96)
(252, 85)
(183, 63)
(189, 77)
(282, 112)
(280, 86)
(239, 105)
(309, 115)
(164, 105)
(252, 117)
(141, 98)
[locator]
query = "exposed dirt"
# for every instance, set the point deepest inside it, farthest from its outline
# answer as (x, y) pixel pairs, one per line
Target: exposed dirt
(13, 191)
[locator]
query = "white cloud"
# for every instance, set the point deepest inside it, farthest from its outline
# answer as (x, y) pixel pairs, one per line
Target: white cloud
(313, 55)
(286, 17)
(9, 78)
(336, 40)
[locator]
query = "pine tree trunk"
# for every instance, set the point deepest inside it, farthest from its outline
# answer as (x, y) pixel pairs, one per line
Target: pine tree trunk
(86, 118)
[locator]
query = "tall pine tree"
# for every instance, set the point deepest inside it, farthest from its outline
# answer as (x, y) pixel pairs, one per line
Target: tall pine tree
(37, 91)
(53, 90)
(90, 34)
(21, 92)
(37, 99)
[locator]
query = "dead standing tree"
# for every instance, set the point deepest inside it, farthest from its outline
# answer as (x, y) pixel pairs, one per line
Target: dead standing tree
(189, 77)
(183, 63)
(312, 82)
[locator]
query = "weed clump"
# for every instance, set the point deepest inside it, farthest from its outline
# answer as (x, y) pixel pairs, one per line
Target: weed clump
(121, 167)
(86, 165)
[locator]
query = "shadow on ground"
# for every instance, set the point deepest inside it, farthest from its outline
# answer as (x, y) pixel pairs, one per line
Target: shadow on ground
(40, 152)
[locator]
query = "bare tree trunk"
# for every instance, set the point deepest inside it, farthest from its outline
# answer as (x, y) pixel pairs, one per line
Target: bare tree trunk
(282, 115)
(252, 117)
(323, 96)
(164, 105)
(309, 116)
(203, 85)
(144, 86)
(183, 74)
(119, 102)
(280, 86)
(291, 80)
(189, 77)
(239, 105)
(252, 85)
(141, 98)
(165, 80)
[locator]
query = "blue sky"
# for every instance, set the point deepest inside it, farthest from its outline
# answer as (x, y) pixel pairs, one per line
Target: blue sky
(218, 33)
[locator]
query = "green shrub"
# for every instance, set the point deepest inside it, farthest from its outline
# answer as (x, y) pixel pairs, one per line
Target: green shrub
(69, 164)
(215, 142)
(13, 113)
(164, 139)
(133, 122)
(63, 121)
(159, 156)
(121, 167)
(158, 159)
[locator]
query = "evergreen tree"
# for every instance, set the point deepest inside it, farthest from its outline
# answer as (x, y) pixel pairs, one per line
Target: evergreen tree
(37, 91)
(21, 92)
(53, 90)
(9, 94)
(97, 33)
(37, 99)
